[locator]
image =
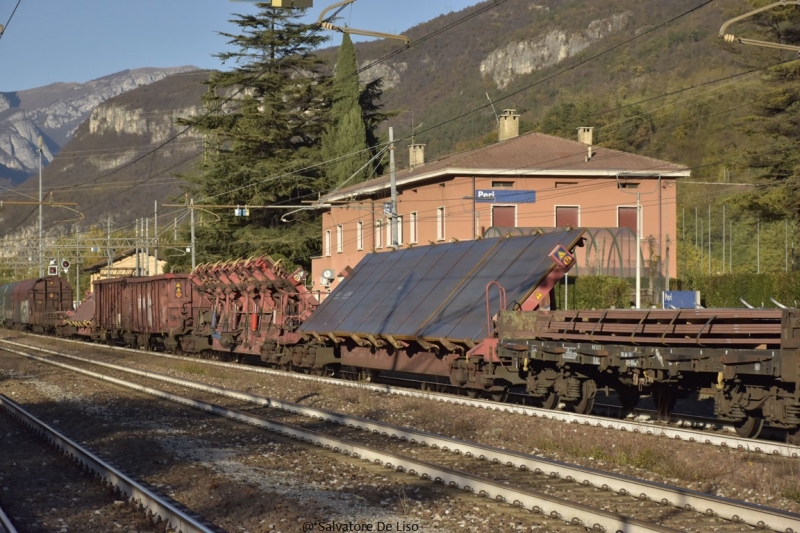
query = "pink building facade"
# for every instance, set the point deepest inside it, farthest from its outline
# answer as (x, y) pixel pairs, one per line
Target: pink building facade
(532, 180)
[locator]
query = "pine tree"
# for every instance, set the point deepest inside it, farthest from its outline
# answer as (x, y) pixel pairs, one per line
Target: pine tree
(773, 130)
(344, 144)
(263, 124)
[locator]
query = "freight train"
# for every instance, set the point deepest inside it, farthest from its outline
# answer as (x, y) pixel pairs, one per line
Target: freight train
(471, 314)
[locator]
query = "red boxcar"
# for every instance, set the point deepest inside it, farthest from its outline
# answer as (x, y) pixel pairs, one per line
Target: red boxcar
(144, 311)
(39, 305)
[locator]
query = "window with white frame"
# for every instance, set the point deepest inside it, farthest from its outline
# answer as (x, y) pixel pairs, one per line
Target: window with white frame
(399, 230)
(440, 223)
(378, 234)
(339, 239)
(412, 227)
(359, 235)
(328, 242)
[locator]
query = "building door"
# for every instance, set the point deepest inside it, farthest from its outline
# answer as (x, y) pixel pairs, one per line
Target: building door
(504, 216)
(567, 216)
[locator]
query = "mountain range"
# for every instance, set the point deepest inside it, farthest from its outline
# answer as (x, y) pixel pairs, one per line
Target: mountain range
(445, 88)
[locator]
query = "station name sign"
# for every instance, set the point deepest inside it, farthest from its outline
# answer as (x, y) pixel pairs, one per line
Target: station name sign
(505, 197)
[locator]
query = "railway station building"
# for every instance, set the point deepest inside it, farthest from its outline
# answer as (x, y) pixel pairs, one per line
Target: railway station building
(519, 184)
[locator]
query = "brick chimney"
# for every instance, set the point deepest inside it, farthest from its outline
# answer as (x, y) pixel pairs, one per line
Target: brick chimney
(416, 155)
(507, 125)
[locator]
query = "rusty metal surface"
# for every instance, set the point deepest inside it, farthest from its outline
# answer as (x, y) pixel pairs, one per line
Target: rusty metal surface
(436, 292)
(698, 327)
(151, 305)
(41, 301)
(251, 303)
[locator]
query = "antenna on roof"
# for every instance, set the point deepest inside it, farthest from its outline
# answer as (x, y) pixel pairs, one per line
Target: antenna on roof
(496, 118)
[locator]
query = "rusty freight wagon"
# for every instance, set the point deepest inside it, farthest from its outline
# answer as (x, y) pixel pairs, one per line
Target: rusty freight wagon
(145, 312)
(38, 305)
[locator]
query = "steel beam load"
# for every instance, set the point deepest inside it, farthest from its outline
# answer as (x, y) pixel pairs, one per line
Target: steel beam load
(735, 328)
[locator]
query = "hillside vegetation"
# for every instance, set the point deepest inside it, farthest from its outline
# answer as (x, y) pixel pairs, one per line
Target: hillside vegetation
(646, 78)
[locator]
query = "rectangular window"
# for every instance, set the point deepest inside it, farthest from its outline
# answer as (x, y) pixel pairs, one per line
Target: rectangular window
(412, 229)
(562, 184)
(626, 218)
(504, 216)
(328, 242)
(502, 184)
(399, 231)
(440, 223)
(359, 235)
(567, 216)
(378, 234)
(339, 239)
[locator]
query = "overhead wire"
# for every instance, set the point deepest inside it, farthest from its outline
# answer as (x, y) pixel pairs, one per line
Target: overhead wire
(4, 28)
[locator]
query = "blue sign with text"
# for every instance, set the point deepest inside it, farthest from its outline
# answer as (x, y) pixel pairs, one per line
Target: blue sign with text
(681, 299)
(505, 197)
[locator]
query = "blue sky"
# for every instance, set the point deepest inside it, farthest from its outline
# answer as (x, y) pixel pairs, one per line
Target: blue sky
(50, 41)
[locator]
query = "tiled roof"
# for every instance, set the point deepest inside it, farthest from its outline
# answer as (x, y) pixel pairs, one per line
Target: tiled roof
(528, 154)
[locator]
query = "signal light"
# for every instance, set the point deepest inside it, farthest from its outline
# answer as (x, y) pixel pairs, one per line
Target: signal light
(52, 270)
(65, 264)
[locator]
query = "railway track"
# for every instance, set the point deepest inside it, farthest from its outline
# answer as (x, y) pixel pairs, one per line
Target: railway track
(579, 495)
(6, 526)
(160, 506)
(673, 430)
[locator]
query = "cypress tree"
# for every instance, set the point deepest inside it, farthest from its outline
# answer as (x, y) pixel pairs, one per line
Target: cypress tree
(263, 124)
(344, 144)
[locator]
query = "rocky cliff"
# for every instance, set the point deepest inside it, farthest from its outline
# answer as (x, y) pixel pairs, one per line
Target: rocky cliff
(110, 166)
(54, 112)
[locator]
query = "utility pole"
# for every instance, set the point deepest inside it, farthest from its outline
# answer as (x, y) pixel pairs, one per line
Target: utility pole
(194, 242)
(723, 238)
(108, 250)
(155, 234)
(147, 246)
(41, 242)
(709, 239)
(393, 176)
(638, 250)
(77, 265)
(136, 247)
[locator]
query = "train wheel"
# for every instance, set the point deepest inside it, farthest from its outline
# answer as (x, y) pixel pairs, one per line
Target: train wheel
(473, 393)
(750, 427)
(550, 401)
(585, 404)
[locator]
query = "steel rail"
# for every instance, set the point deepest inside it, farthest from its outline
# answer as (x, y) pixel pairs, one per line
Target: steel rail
(725, 508)
(731, 440)
(6, 526)
(178, 518)
(557, 508)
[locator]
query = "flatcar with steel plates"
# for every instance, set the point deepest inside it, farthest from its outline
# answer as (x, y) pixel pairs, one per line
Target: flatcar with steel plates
(465, 313)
